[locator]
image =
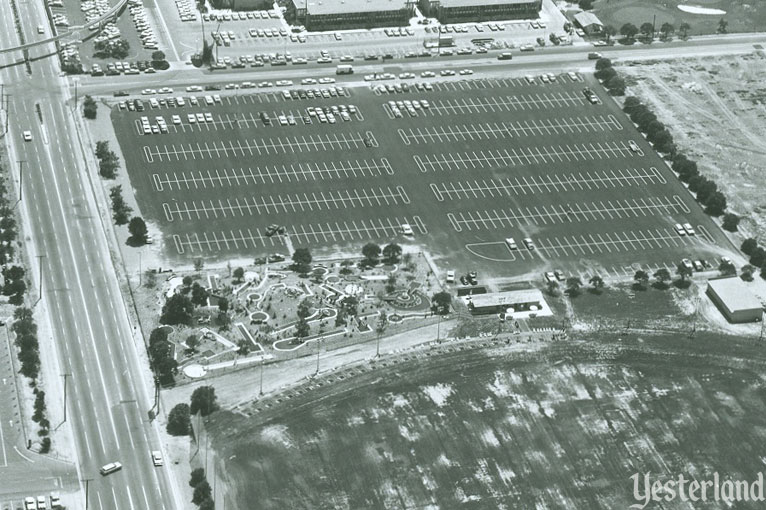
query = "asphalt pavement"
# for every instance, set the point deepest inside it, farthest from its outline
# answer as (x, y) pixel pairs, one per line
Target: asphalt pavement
(108, 395)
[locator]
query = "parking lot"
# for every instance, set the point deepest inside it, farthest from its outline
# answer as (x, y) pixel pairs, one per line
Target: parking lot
(478, 161)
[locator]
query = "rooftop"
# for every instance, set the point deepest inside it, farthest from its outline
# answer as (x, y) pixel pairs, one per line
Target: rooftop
(468, 3)
(587, 18)
(508, 298)
(317, 7)
(735, 294)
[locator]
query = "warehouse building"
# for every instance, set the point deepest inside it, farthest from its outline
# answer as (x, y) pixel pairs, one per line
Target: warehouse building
(735, 300)
(462, 11)
(510, 302)
(589, 23)
(319, 15)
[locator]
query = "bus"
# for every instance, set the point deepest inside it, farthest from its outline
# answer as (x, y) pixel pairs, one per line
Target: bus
(344, 69)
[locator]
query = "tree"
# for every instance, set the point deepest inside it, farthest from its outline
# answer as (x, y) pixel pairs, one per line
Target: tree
(663, 277)
(391, 283)
(758, 257)
(179, 422)
(178, 309)
(302, 260)
(684, 272)
(629, 31)
(730, 222)
(440, 302)
(603, 63)
(696, 182)
(605, 74)
(203, 400)
(202, 491)
(239, 273)
(585, 5)
(723, 26)
(748, 246)
(716, 204)
(199, 295)
(207, 504)
(616, 86)
(197, 476)
(371, 252)
(597, 283)
(609, 31)
(138, 231)
(667, 31)
(705, 190)
(187, 281)
(573, 286)
(207, 53)
(647, 30)
(89, 108)
(684, 28)
(727, 268)
(642, 279)
(223, 305)
(158, 55)
(392, 252)
(120, 210)
(553, 287)
(158, 335)
(746, 273)
(302, 328)
(630, 103)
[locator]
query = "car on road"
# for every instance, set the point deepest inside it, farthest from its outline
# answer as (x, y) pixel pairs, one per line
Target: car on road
(689, 230)
(679, 229)
(447, 72)
(464, 72)
(121, 93)
(148, 92)
(308, 81)
(284, 83)
(166, 90)
(549, 276)
(346, 58)
(427, 74)
(157, 458)
(27, 136)
(326, 81)
(110, 468)
(528, 243)
(633, 146)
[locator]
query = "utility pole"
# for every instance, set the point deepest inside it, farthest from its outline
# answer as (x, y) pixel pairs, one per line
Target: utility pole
(87, 481)
(763, 324)
(438, 328)
(261, 391)
(21, 166)
(40, 260)
(65, 378)
(140, 272)
(7, 111)
(319, 347)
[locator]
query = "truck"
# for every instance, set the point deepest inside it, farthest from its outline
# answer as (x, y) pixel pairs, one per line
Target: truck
(444, 41)
(344, 69)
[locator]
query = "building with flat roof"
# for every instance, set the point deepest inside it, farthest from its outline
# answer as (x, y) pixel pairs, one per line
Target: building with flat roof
(589, 22)
(735, 300)
(318, 15)
(462, 11)
(509, 302)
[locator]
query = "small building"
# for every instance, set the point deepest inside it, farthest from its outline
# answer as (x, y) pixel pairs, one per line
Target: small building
(513, 301)
(319, 15)
(462, 11)
(589, 23)
(735, 300)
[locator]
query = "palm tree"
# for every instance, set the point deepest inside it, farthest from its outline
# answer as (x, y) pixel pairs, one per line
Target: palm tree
(667, 30)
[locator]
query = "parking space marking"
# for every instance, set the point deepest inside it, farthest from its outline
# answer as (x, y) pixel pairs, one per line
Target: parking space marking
(264, 146)
(313, 233)
(516, 186)
(606, 243)
(566, 213)
(495, 130)
(307, 202)
(505, 104)
(524, 156)
(272, 174)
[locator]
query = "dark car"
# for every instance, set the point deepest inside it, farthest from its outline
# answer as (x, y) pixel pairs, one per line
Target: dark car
(472, 277)
(272, 229)
(276, 257)
(121, 93)
(367, 142)
(463, 280)
(212, 87)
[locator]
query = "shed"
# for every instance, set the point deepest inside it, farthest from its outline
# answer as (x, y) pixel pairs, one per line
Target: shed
(735, 300)
(589, 22)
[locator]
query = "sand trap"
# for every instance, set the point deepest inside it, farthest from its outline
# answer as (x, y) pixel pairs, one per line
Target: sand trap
(694, 9)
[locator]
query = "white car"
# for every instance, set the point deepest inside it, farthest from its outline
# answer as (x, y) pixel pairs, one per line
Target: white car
(29, 503)
(326, 80)
(166, 90)
(510, 243)
(407, 230)
(689, 230)
(679, 229)
(176, 119)
(633, 146)
(157, 458)
(110, 468)
(27, 136)
(194, 88)
(284, 83)
(465, 72)
(308, 81)
(528, 243)
(450, 276)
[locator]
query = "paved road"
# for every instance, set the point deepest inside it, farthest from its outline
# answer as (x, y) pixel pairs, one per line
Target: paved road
(556, 59)
(108, 399)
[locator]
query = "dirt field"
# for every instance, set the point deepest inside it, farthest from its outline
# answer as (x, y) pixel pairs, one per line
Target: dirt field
(560, 428)
(716, 110)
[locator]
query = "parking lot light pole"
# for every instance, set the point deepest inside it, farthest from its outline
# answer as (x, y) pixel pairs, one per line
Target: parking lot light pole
(87, 481)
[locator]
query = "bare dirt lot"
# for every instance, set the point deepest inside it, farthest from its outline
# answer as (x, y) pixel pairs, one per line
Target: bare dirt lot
(561, 427)
(716, 110)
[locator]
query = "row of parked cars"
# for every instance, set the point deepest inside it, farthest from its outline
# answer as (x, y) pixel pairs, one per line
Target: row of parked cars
(145, 32)
(186, 10)
(240, 15)
(41, 502)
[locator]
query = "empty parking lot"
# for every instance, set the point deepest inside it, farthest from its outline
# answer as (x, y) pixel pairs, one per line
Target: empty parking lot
(477, 162)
